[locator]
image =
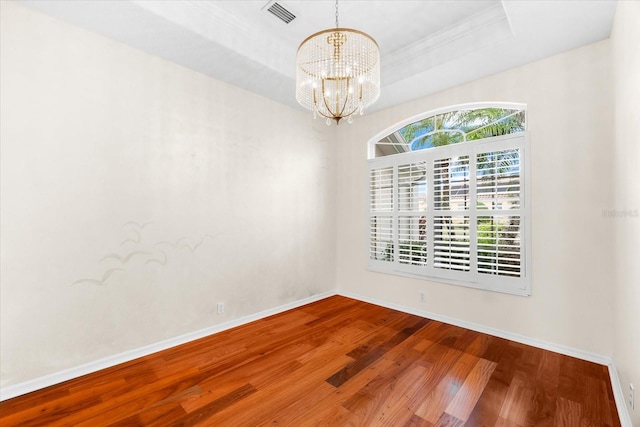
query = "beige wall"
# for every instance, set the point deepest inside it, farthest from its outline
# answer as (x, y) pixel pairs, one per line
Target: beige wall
(238, 192)
(569, 98)
(625, 41)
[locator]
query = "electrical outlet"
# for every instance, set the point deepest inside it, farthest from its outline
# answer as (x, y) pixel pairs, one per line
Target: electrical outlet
(632, 396)
(421, 296)
(220, 308)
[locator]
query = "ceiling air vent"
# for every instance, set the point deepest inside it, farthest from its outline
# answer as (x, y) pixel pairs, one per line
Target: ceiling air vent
(283, 14)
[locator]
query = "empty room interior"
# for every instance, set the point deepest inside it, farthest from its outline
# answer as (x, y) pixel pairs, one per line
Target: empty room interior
(242, 213)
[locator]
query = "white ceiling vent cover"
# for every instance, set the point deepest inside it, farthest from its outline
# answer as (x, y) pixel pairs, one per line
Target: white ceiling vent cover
(280, 12)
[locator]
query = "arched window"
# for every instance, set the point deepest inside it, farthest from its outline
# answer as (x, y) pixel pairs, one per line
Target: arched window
(448, 198)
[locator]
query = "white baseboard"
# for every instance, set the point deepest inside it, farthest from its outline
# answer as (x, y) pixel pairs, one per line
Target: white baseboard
(557, 348)
(619, 396)
(618, 393)
(67, 374)
(107, 362)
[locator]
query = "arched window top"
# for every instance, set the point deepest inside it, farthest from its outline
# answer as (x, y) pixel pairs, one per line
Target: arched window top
(448, 126)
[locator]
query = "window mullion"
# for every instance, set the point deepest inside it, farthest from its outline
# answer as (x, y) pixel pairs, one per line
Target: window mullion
(429, 214)
(473, 216)
(395, 207)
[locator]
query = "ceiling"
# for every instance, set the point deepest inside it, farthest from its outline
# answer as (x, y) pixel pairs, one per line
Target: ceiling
(426, 46)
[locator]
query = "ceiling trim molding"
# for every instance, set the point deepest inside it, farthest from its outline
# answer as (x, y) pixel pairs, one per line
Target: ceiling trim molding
(479, 31)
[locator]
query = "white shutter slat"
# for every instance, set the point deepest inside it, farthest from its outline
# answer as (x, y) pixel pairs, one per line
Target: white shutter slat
(498, 179)
(451, 243)
(381, 238)
(412, 243)
(412, 187)
(381, 189)
(499, 245)
(451, 183)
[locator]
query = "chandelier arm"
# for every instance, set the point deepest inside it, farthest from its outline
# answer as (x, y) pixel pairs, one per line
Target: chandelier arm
(344, 104)
(346, 98)
(323, 115)
(332, 117)
(324, 99)
(336, 118)
(351, 113)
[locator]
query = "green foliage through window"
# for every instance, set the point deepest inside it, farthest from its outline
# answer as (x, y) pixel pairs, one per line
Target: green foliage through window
(453, 127)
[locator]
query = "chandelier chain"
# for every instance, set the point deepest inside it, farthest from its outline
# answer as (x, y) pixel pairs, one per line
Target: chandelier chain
(337, 26)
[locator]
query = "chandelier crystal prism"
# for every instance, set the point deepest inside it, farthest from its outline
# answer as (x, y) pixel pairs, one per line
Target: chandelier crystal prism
(338, 73)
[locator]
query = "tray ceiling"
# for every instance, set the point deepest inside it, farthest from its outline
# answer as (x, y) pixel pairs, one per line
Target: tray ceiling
(426, 46)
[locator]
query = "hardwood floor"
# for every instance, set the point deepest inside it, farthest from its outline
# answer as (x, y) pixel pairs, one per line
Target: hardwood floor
(336, 362)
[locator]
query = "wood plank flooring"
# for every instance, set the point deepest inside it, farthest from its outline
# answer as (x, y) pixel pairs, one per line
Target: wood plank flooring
(336, 362)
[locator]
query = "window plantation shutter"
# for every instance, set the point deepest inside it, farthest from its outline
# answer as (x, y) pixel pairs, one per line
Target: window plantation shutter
(381, 184)
(499, 231)
(412, 207)
(455, 214)
(450, 199)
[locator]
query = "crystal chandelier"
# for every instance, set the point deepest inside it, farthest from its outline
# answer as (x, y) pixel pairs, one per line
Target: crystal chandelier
(338, 73)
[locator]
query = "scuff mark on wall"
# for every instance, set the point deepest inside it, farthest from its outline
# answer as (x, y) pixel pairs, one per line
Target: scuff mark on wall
(149, 254)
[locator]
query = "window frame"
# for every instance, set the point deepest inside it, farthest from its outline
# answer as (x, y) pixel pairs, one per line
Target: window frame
(473, 278)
